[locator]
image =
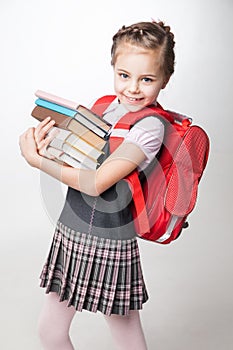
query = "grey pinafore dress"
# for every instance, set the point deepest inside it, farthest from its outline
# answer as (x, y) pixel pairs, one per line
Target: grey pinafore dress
(94, 260)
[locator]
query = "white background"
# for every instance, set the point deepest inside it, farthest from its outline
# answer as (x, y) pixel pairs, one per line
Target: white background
(64, 47)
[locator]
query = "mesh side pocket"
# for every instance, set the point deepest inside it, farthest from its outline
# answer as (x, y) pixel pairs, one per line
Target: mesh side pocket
(186, 170)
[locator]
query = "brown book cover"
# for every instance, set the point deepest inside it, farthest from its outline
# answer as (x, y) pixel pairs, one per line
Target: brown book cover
(64, 122)
(41, 113)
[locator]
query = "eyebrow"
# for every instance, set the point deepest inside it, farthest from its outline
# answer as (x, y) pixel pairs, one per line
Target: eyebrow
(143, 75)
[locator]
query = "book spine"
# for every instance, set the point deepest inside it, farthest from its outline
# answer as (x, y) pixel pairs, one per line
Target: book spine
(59, 133)
(86, 134)
(57, 100)
(87, 113)
(66, 158)
(55, 107)
(80, 156)
(90, 124)
(62, 157)
(54, 151)
(79, 143)
(81, 151)
(57, 143)
(100, 151)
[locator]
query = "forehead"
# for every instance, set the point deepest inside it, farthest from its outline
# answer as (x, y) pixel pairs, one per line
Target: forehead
(130, 55)
(127, 48)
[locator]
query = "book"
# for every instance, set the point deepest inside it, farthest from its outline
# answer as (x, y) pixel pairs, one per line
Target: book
(89, 162)
(85, 116)
(62, 157)
(55, 107)
(82, 134)
(55, 99)
(67, 137)
(64, 122)
(43, 95)
(86, 148)
(93, 118)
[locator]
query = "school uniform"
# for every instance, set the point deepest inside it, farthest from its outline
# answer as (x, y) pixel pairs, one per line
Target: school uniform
(94, 261)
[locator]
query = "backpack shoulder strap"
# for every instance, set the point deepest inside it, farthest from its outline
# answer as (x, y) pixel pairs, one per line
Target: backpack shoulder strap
(102, 104)
(116, 138)
(127, 121)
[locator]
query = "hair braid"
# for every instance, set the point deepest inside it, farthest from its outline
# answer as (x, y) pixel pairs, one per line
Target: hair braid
(149, 35)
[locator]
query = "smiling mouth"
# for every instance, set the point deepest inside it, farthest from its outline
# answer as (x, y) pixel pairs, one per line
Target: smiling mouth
(134, 99)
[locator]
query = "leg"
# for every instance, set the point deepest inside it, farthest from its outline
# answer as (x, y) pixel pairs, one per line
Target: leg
(127, 331)
(54, 324)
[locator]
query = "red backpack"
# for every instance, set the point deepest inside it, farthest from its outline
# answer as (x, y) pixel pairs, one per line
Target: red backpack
(166, 192)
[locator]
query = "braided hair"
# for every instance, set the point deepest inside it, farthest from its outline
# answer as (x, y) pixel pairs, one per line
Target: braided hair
(148, 35)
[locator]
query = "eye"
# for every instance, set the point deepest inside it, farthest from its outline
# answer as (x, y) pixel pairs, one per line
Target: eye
(147, 80)
(123, 75)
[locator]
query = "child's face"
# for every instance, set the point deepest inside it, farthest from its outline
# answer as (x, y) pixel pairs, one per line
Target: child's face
(137, 76)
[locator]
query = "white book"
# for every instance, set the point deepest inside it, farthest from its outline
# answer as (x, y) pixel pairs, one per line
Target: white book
(72, 162)
(63, 137)
(54, 152)
(81, 157)
(63, 157)
(80, 144)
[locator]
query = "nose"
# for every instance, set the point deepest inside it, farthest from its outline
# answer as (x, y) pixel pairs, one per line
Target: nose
(133, 87)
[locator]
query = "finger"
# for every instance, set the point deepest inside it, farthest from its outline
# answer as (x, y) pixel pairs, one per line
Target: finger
(53, 133)
(46, 126)
(41, 132)
(47, 140)
(42, 124)
(43, 144)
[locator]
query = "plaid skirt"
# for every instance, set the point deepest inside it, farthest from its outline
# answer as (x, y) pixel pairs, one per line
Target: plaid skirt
(93, 273)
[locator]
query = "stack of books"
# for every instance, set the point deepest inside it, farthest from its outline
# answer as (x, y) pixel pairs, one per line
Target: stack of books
(81, 134)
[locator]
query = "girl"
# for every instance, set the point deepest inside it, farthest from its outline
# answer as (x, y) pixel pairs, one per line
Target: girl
(94, 261)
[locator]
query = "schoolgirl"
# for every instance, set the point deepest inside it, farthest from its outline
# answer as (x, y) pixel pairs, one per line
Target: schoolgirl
(94, 262)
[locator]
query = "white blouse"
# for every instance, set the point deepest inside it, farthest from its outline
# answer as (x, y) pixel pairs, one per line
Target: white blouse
(147, 134)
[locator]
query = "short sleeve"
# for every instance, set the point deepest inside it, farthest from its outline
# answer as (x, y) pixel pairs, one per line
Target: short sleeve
(148, 135)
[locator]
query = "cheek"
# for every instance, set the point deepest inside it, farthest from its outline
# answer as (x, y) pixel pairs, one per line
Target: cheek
(115, 84)
(118, 85)
(156, 90)
(151, 92)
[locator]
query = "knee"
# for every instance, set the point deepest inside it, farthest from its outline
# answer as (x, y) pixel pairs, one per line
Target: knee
(124, 324)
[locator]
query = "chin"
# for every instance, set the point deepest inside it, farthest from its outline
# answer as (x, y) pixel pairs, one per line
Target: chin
(133, 108)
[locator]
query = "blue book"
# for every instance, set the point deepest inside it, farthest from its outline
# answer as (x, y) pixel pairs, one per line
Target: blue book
(83, 115)
(55, 107)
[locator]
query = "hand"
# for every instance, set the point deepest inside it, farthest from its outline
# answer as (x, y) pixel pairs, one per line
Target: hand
(28, 148)
(42, 138)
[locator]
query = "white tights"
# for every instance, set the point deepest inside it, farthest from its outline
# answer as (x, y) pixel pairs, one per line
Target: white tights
(56, 317)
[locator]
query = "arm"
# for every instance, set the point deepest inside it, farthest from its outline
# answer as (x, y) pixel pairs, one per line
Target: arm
(92, 182)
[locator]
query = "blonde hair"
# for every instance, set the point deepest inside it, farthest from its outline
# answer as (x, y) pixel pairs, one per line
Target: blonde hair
(148, 35)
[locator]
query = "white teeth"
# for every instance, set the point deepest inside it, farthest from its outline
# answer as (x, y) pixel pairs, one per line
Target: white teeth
(133, 99)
